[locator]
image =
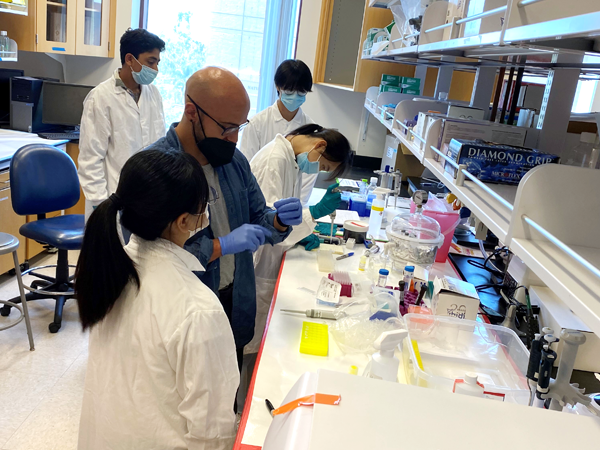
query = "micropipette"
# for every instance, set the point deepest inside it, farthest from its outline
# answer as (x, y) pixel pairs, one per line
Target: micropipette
(313, 313)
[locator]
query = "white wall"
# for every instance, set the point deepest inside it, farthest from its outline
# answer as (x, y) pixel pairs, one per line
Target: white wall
(331, 107)
(37, 65)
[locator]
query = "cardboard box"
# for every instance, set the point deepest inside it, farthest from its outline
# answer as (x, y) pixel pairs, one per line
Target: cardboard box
(398, 159)
(487, 131)
(454, 298)
(558, 316)
(411, 91)
(390, 88)
(391, 80)
(414, 83)
(494, 162)
(465, 112)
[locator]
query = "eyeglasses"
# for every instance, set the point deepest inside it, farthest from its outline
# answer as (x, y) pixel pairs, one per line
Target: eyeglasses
(213, 197)
(301, 94)
(227, 131)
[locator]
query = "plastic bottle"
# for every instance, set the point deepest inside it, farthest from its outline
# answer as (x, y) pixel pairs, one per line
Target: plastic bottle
(581, 154)
(370, 196)
(4, 42)
(376, 216)
(384, 364)
(382, 280)
(470, 386)
(362, 265)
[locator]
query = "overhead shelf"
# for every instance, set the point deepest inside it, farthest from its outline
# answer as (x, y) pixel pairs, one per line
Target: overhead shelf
(554, 230)
(531, 30)
(483, 203)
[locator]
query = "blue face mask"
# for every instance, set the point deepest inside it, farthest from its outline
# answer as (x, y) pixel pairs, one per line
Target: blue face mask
(144, 76)
(306, 166)
(292, 101)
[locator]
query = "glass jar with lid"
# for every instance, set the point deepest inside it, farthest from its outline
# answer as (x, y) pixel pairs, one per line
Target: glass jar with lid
(414, 238)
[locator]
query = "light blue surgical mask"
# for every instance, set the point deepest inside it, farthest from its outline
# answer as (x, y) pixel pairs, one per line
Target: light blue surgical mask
(292, 101)
(306, 166)
(144, 76)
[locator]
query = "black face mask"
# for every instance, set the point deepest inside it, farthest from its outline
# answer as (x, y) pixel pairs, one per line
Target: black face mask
(217, 151)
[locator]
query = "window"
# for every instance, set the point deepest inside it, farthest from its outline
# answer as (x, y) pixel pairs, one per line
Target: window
(225, 33)
(586, 92)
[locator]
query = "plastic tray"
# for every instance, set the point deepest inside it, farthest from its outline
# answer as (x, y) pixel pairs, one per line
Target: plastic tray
(450, 347)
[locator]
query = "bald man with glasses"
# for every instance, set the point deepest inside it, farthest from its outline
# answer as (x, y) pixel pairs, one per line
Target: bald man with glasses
(215, 110)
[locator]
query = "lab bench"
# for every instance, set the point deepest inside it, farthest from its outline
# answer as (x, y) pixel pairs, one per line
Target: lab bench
(279, 363)
(10, 222)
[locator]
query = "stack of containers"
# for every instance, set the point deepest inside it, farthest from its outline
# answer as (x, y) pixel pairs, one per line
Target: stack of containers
(400, 85)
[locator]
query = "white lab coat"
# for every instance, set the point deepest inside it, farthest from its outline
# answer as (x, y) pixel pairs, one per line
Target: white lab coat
(114, 128)
(263, 128)
(279, 177)
(162, 370)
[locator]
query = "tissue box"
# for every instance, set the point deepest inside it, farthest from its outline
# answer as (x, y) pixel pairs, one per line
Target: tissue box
(414, 83)
(454, 298)
(391, 80)
(411, 91)
(390, 88)
(495, 162)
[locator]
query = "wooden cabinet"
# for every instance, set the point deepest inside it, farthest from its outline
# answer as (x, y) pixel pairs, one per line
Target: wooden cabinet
(343, 28)
(93, 25)
(56, 26)
(10, 223)
(69, 27)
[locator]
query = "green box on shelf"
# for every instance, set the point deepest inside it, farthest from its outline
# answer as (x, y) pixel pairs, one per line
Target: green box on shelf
(411, 91)
(414, 83)
(390, 88)
(390, 80)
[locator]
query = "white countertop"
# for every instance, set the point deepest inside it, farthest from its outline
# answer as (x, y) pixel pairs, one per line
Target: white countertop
(11, 141)
(280, 363)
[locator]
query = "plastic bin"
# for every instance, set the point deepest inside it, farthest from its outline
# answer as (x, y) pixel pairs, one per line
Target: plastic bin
(449, 347)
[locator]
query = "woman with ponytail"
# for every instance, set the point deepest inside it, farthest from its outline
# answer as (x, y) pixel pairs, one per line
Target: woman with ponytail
(162, 370)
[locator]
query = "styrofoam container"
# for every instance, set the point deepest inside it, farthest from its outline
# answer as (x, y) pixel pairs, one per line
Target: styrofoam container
(450, 347)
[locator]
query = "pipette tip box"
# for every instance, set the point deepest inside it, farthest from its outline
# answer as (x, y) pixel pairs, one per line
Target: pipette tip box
(314, 339)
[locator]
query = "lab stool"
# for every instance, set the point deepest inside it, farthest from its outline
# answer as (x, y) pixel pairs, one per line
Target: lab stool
(10, 244)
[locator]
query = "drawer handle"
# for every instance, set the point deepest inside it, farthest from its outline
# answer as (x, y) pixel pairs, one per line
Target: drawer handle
(2, 199)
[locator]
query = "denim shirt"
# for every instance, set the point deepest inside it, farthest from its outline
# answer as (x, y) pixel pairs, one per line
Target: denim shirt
(245, 204)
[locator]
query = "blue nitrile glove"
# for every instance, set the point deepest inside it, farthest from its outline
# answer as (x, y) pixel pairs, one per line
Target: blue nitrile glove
(289, 211)
(247, 237)
(310, 242)
(328, 204)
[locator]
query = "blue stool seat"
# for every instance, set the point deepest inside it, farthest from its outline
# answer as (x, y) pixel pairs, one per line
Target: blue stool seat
(62, 232)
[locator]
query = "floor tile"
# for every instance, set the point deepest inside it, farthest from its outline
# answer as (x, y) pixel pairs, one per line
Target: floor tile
(21, 393)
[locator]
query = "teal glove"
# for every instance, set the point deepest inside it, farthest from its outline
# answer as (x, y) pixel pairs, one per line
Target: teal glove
(328, 204)
(325, 229)
(310, 242)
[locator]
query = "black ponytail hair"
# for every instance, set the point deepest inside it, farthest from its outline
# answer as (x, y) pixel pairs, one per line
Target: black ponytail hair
(337, 150)
(155, 188)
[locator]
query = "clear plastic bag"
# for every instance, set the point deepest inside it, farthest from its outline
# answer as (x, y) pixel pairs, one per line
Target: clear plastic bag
(408, 15)
(355, 332)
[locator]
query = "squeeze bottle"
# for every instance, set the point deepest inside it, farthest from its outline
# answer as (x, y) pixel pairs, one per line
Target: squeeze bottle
(376, 216)
(384, 364)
